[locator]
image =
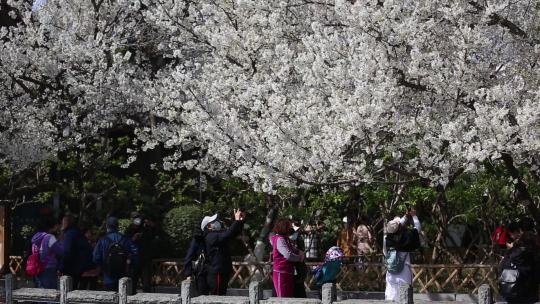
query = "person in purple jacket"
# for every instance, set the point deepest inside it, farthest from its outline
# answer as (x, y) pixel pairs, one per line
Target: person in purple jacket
(45, 242)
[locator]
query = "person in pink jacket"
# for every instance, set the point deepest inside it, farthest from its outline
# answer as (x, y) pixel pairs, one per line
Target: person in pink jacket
(284, 255)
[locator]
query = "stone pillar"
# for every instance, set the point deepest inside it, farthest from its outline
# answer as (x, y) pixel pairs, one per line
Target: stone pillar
(255, 292)
(66, 285)
(124, 289)
(10, 285)
(328, 293)
(186, 291)
(485, 296)
(405, 294)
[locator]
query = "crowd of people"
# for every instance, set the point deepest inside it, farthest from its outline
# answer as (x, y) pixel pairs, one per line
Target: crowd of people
(63, 248)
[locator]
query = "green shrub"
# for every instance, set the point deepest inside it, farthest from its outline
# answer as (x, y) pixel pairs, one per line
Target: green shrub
(179, 224)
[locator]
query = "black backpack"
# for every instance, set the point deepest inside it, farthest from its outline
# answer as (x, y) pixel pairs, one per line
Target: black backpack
(116, 259)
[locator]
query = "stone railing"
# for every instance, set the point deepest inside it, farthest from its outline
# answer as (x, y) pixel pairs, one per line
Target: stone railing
(65, 295)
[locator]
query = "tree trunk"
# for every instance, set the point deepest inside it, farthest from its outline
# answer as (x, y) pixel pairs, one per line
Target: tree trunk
(521, 188)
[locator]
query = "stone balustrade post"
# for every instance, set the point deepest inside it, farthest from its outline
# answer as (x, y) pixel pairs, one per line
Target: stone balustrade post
(255, 292)
(328, 293)
(124, 289)
(66, 285)
(9, 285)
(405, 294)
(186, 291)
(485, 296)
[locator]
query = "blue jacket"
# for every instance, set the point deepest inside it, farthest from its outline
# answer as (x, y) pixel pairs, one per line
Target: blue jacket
(101, 251)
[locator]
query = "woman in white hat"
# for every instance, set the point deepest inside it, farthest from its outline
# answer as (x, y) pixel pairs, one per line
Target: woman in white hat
(398, 242)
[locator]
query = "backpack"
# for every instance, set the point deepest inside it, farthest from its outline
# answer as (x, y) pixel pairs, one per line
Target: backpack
(499, 236)
(510, 285)
(116, 259)
(34, 266)
(394, 261)
(199, 264)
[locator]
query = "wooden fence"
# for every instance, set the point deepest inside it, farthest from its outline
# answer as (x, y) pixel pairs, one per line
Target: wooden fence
(354, 276)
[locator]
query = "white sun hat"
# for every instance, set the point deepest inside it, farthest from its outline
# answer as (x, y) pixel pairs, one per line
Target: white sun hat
(207, 220)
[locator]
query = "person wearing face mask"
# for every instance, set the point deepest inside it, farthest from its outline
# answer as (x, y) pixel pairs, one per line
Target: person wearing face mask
(284, 257)
(141, 231)
(219, 262)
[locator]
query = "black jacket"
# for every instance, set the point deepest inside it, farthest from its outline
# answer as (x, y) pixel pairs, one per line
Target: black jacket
(218, 256)
(194, 250)
(74, 254)
(406, 240)
(523, 256)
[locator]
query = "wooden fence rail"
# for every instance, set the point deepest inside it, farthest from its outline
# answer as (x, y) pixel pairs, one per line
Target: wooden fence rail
(354, 276)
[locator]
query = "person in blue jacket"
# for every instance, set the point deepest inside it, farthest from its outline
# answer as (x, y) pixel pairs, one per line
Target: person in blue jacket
(107, 252)
(73, 244)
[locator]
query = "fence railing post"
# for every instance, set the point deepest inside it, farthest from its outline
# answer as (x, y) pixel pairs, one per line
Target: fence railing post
(9, 285)
(405, 294)
(255, 292)
(328, 293)
(66, 285)
(485, 296)
(186, 291)
(124, 289)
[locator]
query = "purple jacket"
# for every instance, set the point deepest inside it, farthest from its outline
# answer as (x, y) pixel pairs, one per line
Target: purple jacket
(40, 242)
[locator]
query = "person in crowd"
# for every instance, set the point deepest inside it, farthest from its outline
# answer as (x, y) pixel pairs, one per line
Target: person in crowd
(328, 271)
(45, 244)
(89, 277)
(196, 254)
(219, 264)
(284, 257)
(398, 243)
(115, 254)
(363, 237)
(142, 232)
(300, 268)
(73, 250)
(346, 239)
(520, 266)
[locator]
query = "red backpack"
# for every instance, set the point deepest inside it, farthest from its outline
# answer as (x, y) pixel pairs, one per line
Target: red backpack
(34, 265)
(499, 236)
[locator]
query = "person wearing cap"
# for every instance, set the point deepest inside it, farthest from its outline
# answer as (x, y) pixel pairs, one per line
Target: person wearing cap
(73, 244)
(398, 237)
(102, 247)
(142, 232)
(219, 267)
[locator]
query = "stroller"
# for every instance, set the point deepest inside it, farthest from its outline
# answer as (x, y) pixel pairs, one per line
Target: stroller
(329, 270)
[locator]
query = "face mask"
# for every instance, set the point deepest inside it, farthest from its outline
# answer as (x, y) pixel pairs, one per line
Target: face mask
(294, 236)
(137, 221)
(215, 225)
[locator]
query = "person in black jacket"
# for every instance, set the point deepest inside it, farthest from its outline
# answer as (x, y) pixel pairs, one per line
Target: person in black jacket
(196, 247)
(219, 265)
(520, 267)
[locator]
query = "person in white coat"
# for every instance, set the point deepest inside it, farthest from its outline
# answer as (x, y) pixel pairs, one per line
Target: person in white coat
(404, 241)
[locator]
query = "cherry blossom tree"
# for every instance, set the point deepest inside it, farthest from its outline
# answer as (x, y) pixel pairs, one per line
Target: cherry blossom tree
(303, 92)
(69, 73)
(285, 93)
